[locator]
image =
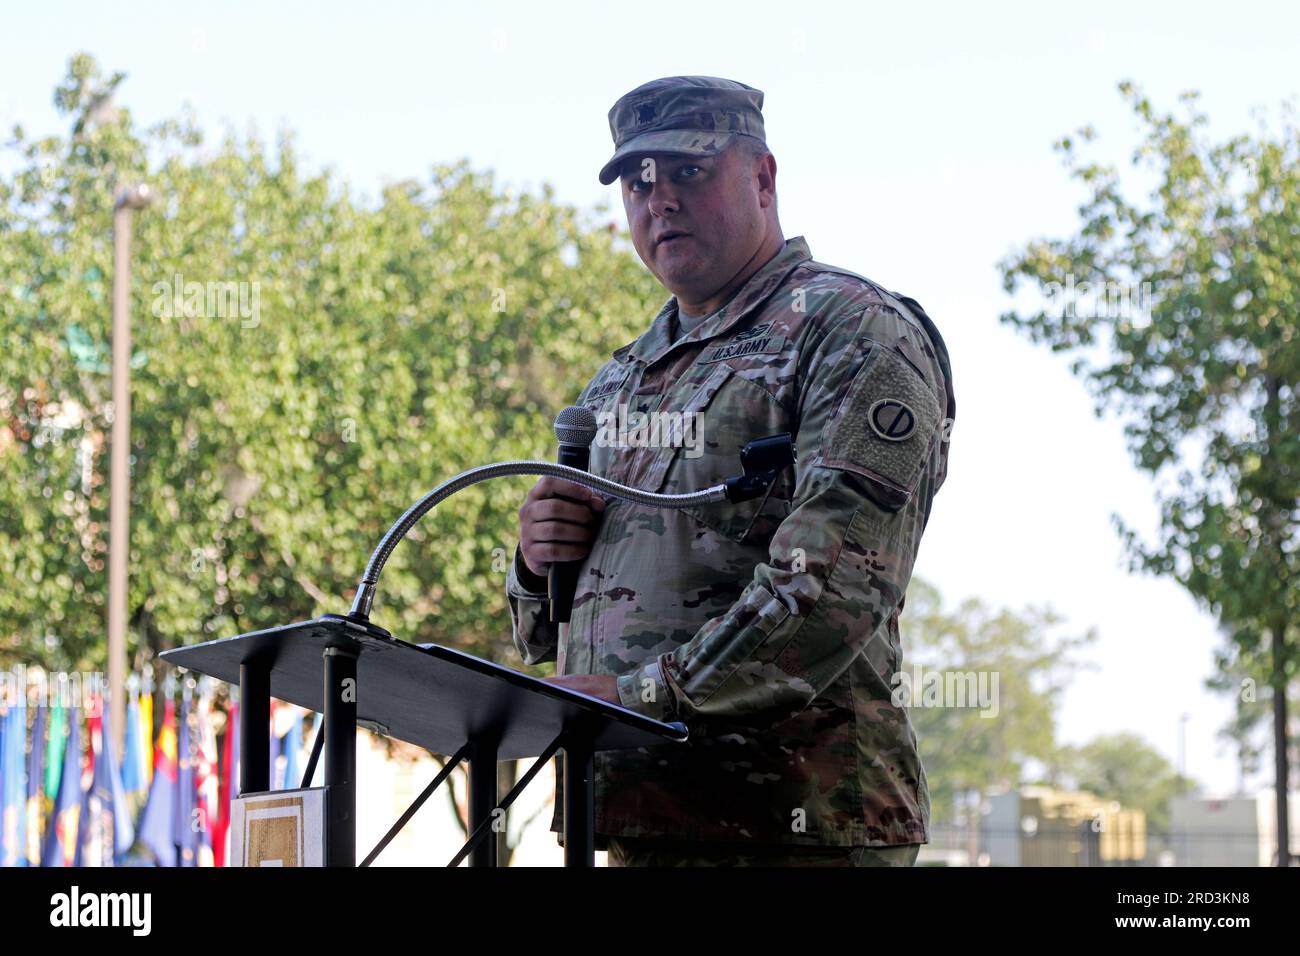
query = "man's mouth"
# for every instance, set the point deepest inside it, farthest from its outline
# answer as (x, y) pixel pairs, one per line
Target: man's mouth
(669, 237)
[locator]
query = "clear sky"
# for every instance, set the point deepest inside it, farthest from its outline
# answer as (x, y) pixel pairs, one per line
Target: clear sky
(913, 145)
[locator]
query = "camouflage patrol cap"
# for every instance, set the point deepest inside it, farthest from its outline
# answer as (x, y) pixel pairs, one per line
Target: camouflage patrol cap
(694, 115)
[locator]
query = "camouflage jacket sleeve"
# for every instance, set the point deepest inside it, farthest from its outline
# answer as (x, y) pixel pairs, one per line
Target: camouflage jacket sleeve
(535, 636)
(839, 564)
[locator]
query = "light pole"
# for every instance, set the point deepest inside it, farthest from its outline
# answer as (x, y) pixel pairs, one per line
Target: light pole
(129, 199)
(1182, 745)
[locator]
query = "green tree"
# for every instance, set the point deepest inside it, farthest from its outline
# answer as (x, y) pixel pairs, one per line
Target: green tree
(1126, 768)
(969, 751)
(1204, 368)
(393, 344)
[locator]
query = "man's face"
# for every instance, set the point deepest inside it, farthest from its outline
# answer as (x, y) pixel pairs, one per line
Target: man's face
(695, 221)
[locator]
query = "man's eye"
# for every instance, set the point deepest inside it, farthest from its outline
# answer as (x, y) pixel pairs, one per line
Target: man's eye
(687, 171)
(637, 184)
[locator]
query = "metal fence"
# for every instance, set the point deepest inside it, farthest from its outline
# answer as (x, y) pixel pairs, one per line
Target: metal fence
(1082, 844)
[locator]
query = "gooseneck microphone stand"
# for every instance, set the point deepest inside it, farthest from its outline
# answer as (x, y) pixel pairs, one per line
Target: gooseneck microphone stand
(438, 698)
(761, 460)
(739, 488)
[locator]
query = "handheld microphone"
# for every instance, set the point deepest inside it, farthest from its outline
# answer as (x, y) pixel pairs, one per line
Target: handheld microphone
(575, 429)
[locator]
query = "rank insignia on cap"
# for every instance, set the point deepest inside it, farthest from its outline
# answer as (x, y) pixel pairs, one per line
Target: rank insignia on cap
(891, 419)
(645, 112)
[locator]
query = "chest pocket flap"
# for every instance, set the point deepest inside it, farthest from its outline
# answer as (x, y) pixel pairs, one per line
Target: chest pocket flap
(719, 416)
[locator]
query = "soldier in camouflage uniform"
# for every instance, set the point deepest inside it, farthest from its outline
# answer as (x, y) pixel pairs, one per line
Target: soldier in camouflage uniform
(769, 627)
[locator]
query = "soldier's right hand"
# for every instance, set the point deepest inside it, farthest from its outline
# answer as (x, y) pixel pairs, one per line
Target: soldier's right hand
(557, 523)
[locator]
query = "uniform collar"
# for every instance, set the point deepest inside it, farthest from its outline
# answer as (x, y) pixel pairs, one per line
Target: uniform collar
(656, 341)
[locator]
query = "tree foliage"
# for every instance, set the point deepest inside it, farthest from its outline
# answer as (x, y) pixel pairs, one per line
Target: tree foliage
(1126, 768)
(970, 750)
(395, 342)
(1206, 371)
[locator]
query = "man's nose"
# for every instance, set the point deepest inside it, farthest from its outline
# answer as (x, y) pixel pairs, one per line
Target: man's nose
(663, 199)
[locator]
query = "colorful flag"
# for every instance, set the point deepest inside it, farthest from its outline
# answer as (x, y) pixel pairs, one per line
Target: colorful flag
(229, 785)
(35, 788)
(275, 780)
(13, 784)
(61, 832)
(133, 776)
(106, 830)
(146, 728)
(205, 777)
(156, 823)
(233, 781)
(54, 751)
(293, 754)
(184, 820)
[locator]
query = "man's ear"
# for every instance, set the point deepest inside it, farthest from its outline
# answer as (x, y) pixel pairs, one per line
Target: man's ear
(766, 174)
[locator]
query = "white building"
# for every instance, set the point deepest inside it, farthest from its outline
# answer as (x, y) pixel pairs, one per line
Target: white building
(1228, 831)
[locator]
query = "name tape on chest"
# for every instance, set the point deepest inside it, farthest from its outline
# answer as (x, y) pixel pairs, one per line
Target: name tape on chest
(608, 384)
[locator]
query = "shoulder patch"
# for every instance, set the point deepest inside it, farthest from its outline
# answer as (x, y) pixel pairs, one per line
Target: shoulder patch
(892, 419)
(884, 426)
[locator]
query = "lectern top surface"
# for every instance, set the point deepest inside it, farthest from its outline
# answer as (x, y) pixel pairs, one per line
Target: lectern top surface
(434, 697)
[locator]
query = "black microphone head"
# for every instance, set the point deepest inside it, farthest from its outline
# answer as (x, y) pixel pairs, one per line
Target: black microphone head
(576, 426)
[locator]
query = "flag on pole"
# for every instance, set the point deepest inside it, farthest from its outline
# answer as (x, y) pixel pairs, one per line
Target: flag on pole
(184, 821)
(156, 824)
(35, 788)
(54, 751)
(275, 781)
(13, 785)
(293, 753)
(146, 727)
(4, 720)
(133, 774)
(61, 832)
(106, 831)
(205, 776)
(229, 785)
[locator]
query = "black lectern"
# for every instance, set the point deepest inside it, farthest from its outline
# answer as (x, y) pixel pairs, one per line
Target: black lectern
(451, 703)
